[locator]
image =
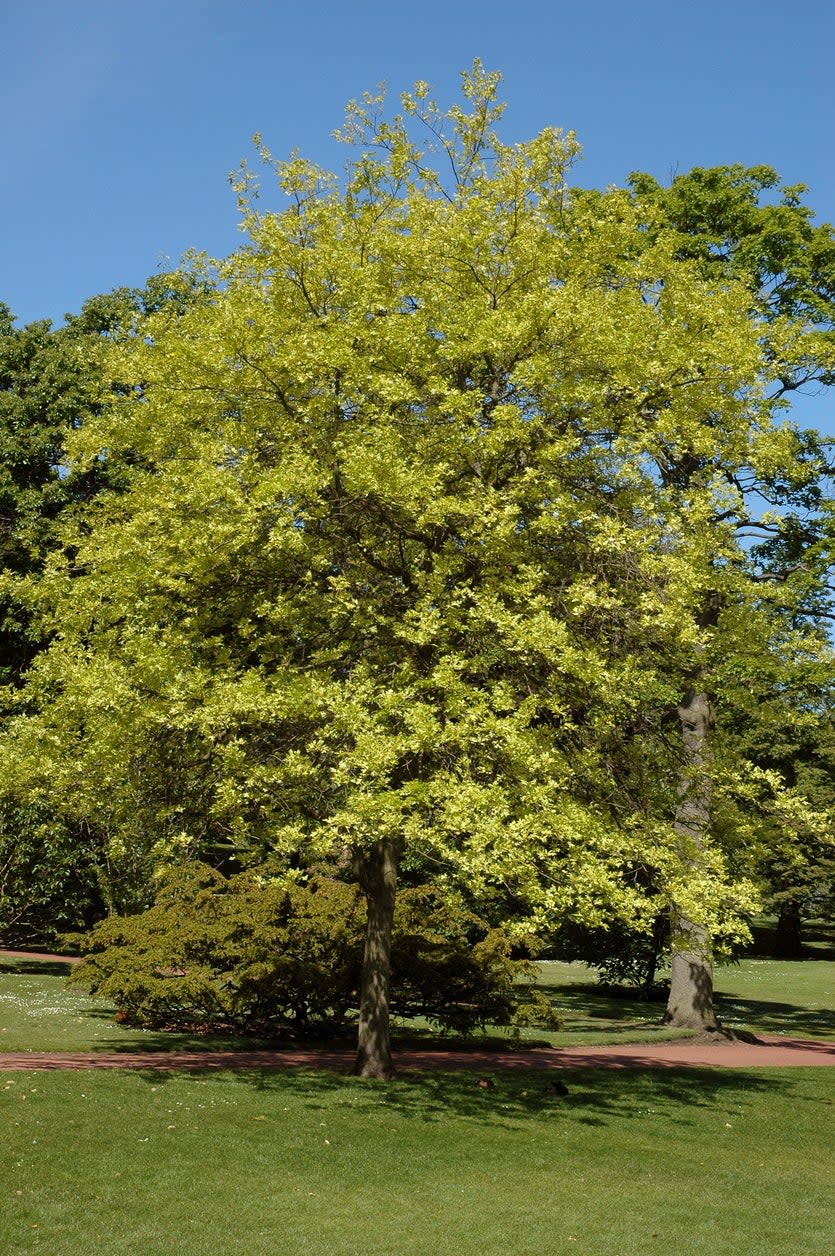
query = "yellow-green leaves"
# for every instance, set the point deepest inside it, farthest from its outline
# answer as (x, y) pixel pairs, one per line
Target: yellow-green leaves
(422, 506)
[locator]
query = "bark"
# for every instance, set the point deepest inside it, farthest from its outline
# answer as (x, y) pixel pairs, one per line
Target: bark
(377, 870)
(690, 1005)
(788, 943)
(691, 987)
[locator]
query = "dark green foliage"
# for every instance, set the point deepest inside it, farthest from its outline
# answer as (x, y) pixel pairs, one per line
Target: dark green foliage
(50, 876)
(243, 951)
(51, 383)
(451, 967)
(622, 956)
(268, 955)
(55, 872)
(45, 389)
(745, 222)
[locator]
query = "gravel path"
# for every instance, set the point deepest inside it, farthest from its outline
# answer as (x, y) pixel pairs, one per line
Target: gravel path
(40, 957)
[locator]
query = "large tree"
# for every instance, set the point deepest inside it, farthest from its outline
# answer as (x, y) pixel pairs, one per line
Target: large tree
(47, 387)
(392, 566)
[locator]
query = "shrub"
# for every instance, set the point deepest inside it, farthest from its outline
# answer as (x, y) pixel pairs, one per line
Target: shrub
(50, 876)
(266, 955)
(451, 967)
(628, 959)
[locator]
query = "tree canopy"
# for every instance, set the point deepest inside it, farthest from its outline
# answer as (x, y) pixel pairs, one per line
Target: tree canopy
(428, 514)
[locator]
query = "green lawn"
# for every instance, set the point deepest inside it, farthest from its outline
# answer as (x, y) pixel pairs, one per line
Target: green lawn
(300, 1164)
(258, 1163)
(39, 1013)
(757, 994)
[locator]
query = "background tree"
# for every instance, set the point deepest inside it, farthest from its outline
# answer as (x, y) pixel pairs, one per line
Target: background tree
(742, 225)
(781, 805)
(56, 872)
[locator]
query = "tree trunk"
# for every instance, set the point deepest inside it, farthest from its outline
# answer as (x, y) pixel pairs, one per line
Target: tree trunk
(377, 870)
(788, 943)
(690, 1004)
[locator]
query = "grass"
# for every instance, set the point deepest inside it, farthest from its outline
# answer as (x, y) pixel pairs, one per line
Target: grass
(792, 997)
(778, 997)
(39, 1013)
(249, 1164)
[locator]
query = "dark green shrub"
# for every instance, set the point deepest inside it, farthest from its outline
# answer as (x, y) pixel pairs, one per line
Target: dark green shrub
(50, 876)
(625, 958)
(268, 955)
(248, 952)
(451, 967)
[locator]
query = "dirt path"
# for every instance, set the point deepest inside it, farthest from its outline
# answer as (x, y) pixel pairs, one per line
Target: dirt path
(768, 1052)
(40, 957)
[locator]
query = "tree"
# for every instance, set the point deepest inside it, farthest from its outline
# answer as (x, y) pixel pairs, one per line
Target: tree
(393, 567)
(742, 225)
(55, 873)
(781, 813)
(270, 954)
(47, 869)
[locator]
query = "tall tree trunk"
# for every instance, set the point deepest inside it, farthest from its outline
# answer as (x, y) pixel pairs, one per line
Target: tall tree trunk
(377, 870)
(788, 943)
(691, 988)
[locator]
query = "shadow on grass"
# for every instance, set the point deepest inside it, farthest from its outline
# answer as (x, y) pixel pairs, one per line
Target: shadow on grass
(769, 1017)
(595, 1097)
(597, 1003)
(818, 939)
(166, 1041)
(595, 1011)
(35, 967)
(591, 1003)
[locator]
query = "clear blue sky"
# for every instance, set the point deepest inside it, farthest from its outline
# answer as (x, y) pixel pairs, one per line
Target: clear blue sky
(122, 118)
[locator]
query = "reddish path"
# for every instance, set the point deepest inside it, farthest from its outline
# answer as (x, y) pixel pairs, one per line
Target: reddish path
(768, 1052)
(40, 957)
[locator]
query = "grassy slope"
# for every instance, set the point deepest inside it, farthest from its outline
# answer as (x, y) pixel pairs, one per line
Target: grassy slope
(629, 1164)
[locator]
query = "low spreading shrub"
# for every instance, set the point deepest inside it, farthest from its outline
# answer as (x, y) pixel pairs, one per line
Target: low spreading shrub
(265, 955)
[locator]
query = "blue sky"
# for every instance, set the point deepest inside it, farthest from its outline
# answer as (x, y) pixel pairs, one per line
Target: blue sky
(122, 119)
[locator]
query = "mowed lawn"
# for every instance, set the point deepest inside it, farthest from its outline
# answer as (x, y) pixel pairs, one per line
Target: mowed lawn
(146, 1162)
(306, 1164)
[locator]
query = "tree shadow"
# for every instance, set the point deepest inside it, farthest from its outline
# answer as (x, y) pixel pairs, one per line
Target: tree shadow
(817, 936)
(592, 1003)
(166, 1041)
(35, 967)
(769, 1017)
(596, 1002)
(596, 1097)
